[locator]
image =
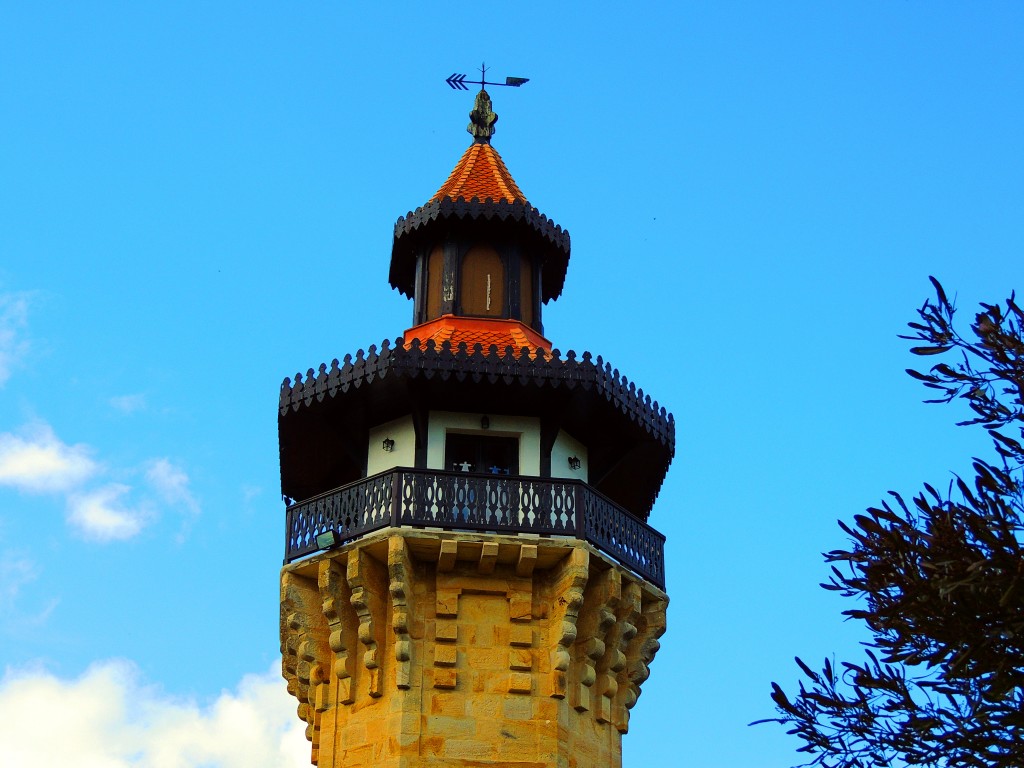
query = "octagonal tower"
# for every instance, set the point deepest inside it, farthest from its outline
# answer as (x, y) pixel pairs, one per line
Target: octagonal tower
(469, 575)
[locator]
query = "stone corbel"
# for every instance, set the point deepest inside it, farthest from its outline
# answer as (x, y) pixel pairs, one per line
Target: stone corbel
(651, 624)
(400, 572)
(567, 599)
(600, 599)
(336, 596)
(619, 632)
(368, 582)
(305, 655)
(628, 617)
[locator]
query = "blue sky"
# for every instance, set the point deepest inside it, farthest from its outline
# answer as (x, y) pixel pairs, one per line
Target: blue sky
(198, 201)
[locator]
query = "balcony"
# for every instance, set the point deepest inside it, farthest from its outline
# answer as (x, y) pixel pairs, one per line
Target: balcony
(464, 501)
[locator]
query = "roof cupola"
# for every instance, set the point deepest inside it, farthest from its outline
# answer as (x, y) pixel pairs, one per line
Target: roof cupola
(477, 252)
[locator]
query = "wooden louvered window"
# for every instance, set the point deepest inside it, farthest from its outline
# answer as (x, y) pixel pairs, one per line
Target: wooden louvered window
(482, 291)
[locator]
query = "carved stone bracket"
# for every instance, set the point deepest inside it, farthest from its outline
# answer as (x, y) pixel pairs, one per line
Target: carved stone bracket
(305, 655)
(400, 572)
(568, 590)
(336, 596)
(368, 583)
(628, 616)
(596, 618)
(651, 623)
(613, 659)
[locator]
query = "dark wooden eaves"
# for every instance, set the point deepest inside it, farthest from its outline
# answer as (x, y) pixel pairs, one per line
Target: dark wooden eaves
(628, 433)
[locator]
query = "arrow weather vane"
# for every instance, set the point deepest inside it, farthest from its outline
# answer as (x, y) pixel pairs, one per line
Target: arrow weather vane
(458, 82)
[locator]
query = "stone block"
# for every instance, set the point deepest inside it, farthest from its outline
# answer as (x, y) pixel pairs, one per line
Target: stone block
(520, 606)
(518, 708)
(445, 678)
(453, 727)
(520, 659)
(446, 631)
(488, 557)
(520, 635)
(446, 557)
(520, 682)
(527, 559)
(447, 603)
(445, 655)
(449, 704)
(469, 749)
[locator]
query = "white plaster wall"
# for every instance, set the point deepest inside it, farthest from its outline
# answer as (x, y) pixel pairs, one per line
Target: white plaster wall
(565, 446)
(404, 454)
(527, 429)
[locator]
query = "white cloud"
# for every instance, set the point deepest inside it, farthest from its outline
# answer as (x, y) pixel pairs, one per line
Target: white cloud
(128, 403)
(13, 319)
(108, 718)
(100, 515)
(38, 461)
(171, 484)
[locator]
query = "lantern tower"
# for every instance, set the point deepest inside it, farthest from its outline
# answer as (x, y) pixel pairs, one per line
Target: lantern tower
(469, 577)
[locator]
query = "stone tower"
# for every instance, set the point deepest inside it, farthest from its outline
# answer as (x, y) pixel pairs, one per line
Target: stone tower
(469, 577)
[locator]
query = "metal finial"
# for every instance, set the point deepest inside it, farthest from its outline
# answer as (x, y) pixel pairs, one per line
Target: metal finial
(482, 119)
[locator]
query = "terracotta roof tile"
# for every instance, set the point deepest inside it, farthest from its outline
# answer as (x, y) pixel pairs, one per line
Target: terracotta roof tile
(480, 173)
(473, 331)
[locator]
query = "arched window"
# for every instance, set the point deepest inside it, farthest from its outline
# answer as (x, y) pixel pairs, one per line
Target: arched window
(482, 280)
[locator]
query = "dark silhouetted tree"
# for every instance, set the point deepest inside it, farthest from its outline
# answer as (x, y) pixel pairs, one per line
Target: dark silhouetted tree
(939, 582)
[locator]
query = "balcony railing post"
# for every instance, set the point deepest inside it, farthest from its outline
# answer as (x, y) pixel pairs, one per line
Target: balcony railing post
(288, 533)
(579, 505)
(396, 497)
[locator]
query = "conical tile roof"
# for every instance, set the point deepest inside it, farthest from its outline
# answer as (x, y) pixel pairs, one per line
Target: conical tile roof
(480, 173)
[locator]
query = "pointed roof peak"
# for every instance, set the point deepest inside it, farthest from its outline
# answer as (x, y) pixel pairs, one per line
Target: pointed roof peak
(482, 174)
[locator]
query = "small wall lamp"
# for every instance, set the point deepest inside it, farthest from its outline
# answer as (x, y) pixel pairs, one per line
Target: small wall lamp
(388, 445)
(574, 462)
(485, 423)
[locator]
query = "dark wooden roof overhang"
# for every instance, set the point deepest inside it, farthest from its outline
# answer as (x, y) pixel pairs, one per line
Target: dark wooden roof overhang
(324, 417)
(430, 223)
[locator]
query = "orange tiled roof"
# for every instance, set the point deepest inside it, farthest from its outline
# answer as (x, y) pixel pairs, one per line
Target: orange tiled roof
(480, 173)
(484, 331)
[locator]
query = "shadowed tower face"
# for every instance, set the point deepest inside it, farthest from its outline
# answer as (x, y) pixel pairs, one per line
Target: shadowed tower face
(469, 577)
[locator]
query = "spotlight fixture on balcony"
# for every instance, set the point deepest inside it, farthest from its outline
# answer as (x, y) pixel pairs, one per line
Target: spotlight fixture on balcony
(574, 463)
(485, 423)
(327, 539)
(389, 445)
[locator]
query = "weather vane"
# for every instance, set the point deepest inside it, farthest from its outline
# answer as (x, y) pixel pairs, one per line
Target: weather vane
(458, 82)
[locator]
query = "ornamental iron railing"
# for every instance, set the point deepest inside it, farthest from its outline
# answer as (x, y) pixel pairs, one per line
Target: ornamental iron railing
(465, 501)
